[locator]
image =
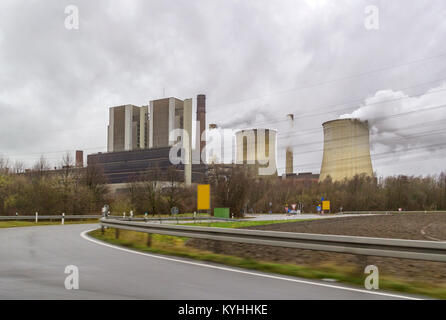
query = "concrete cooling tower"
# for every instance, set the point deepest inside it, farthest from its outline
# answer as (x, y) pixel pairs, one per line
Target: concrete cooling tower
(346, 150)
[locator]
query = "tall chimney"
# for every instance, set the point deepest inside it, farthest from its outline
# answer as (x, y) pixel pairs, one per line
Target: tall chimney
(201, 117)
(289, 150)
(79, 158)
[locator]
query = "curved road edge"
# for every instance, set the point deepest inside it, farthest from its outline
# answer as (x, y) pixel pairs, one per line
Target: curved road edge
(84, 235)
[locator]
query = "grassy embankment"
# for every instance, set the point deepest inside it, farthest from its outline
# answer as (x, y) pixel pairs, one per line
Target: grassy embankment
(176, 246)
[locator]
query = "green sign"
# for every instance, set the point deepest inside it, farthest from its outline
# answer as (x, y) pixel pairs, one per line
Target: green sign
(221, 213)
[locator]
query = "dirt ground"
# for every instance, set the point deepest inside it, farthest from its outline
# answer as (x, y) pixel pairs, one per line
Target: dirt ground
(415, 226)
(431, 227)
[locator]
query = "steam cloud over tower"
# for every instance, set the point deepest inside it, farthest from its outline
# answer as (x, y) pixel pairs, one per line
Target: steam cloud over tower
(346, 150)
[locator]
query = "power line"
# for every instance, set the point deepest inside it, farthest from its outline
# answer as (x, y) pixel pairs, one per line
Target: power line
(309, 115)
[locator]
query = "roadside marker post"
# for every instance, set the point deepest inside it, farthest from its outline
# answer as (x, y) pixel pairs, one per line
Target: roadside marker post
(63, 218)
(37, 217)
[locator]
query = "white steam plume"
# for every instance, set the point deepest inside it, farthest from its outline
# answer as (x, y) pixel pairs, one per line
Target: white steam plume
(399, 121)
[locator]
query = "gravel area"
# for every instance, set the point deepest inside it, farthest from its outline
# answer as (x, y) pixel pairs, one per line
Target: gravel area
(403, 226)
(400, 226)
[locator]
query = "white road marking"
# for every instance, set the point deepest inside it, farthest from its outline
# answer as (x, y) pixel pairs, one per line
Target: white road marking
(84, 235)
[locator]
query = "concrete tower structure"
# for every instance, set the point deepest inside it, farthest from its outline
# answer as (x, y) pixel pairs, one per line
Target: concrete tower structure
(79, 159)
(127, 129)
(289, 166)
(346, 150)
(201, 117)
(165, 116)
(187, 141)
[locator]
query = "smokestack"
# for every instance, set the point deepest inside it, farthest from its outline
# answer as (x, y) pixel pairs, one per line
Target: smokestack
(346, 150)
(79, 158)
(201, 117)
(187, 143)
(289, 150)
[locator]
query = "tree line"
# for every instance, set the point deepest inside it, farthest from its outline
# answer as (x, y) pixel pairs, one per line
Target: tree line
(74, 190)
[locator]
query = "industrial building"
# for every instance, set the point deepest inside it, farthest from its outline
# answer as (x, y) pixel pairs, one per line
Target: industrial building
(126, 166)
(128, 128)
(139, 139)
(346, 150)
(165, 115)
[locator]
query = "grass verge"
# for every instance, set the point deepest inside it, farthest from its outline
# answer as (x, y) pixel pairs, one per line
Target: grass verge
(176, 246)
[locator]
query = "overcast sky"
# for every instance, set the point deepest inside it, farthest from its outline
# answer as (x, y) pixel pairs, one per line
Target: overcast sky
(255, 60)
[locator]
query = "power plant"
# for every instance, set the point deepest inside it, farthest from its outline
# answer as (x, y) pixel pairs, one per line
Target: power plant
(346, 150)
(139, 139)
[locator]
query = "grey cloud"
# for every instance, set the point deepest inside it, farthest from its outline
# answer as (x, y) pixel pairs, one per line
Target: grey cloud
(248, 57)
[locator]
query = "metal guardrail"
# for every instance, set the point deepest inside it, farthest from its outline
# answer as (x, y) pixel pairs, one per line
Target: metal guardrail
(52, 217)
(146, 219)
(395, 248)
(85, 217)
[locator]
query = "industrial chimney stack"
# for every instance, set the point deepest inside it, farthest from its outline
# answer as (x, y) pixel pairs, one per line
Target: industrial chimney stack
(201, 117)
(289, 150)
(79, 158)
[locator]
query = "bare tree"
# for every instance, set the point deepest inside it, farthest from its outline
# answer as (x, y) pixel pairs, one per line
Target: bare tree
(4, 165)
(19, 167)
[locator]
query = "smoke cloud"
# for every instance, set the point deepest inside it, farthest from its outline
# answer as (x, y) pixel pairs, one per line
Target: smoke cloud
(400, 121)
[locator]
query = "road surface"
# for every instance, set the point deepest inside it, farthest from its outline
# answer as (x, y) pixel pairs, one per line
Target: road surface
(33, 261)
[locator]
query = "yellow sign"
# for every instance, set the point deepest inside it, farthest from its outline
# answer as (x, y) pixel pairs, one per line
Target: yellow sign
(203, 197)
(326, 205)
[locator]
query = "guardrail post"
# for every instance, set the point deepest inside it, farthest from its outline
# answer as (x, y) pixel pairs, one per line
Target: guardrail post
(149, 239)
(63, 218)
(102, 230)
(37, 217)
(123, 215)
(117, 233)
